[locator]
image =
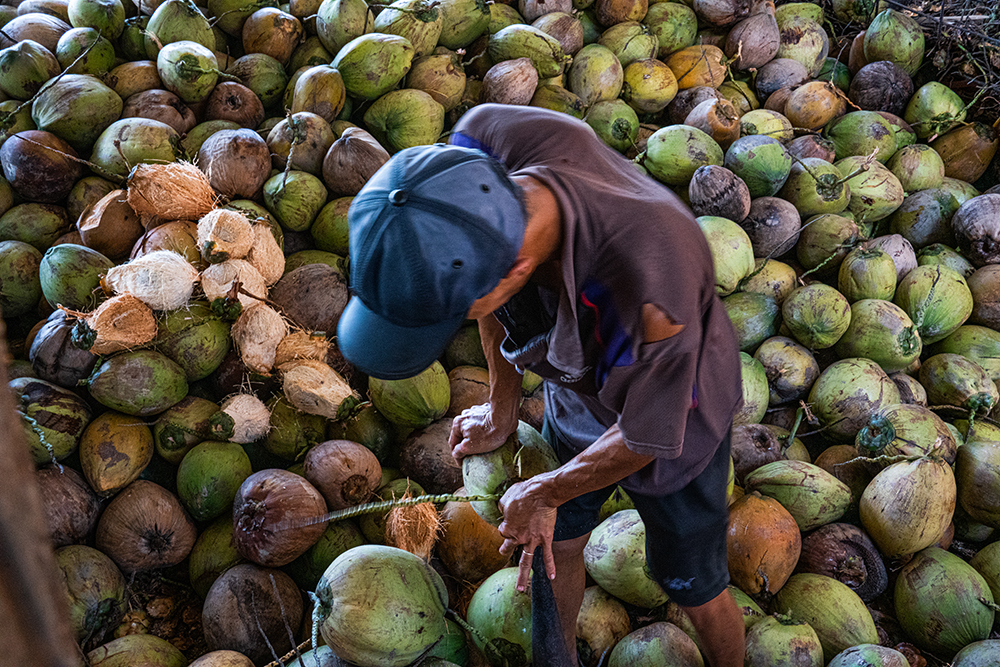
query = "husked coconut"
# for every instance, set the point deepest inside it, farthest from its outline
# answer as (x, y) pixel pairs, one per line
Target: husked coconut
(224, 234)
(251, 419)
(257, 332)
(265, 255)
(161, 279)
(218, 279)
(174, 191)
(314, 388)
(120, 323)
(302, 345)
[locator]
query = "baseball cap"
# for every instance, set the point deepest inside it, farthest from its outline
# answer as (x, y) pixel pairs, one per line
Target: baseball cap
(434, 229)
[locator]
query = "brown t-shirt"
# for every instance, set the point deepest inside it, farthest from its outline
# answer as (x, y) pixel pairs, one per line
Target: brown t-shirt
(627, 241)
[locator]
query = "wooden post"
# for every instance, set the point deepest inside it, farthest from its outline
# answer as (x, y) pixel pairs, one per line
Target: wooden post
(34, 613)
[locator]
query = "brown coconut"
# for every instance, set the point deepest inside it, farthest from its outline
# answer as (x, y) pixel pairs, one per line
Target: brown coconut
(985, 287)
(773, 226)
(779, 73)
(881, 86)
(180, 236)
(469, 545)
(237, 163)
(566, 28)
(218, 280)
(235, 102)
(256, 333)
(351, 161)
(316, 389)
(413, 528)
(69, 505)
(777, 100)
(470, 385)
(718, 119)
(161, 105)
(534, 9)
(121, 323)
(426, 458)
(856, 59)
(305, 137)
(162, 279)
(224, 234)
(812, 145)
(312, 296)
(754, 41)
(510, 82)
(302, 345)
(721, 13)
(814, 104)
(967, 151)
(753, 445)
(763, 544)
(265, 255)
(251, 418)
(174, 191)
(612, 12)
(110, 226)
(686, 100)
(715, 190)
(272, 32)
(345, 472)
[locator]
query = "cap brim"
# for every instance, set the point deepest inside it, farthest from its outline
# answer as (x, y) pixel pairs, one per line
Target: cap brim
(388, 351)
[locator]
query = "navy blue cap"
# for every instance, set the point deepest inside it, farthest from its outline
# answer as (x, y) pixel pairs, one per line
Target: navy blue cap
(434, 229)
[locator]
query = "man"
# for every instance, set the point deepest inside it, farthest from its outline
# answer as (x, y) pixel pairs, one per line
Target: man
(584, 270)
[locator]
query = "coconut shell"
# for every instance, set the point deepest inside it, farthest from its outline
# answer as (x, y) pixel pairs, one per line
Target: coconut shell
(510, 82)
(237, 163)
(763, 544)
(846, 553)
(351, 161)
(110, 226)
(257, 332)
(345, 472)
(163, 279)
(224, 234)
(265, 255)
(161, 105)
(753, 445)
(717, 191)
(312, 296)
(69, 505)
(316, 389)
(218, 280)
(251, 418)
(174, 191)
(237, 103)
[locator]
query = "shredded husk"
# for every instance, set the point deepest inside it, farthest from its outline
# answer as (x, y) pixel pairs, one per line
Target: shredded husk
(251, 418)
(162, 279)
(414, 529)
(217, 280)
(265, 255)
(256, 333)
(302, 345)
(173, 191)
(224, 234)
(314, 388)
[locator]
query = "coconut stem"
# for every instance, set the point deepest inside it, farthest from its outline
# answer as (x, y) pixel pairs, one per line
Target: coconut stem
(799, 413)
(187, 68)
(37, 428)
(865, 166)
(295, 652)
(990, 605)
(106, 174)
(465, 626)
(47, 83)
(381, 506)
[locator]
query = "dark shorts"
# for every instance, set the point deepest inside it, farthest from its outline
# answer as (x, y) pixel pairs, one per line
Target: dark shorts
(685, 530)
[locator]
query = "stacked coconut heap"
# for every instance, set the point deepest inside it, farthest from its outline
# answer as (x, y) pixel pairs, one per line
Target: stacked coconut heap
(190, 412)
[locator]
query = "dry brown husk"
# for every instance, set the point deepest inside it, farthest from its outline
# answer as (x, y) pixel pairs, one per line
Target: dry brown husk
(754, 41)
(161, 105)
(235, 102)
(134, 77)
(967, 151)
(566, 28)
(162, 279)
(856, 57)
(814, 104)
(721, 13)
(777, 100)
(251, 418)
(265, 255)
(314, 388)
(812, 145)
(69, 505)
(686, 100)
(174, 191)
(237, 163)
(224, 234)
(510, 82)
(256, 333)
(426, 458)
(345, 472)
(611, 12)
(217, 281)
(763, 544)
(414, 529)
(121, 323)
(351, 161)
(470, 385)
(469, 546)
(715, 190)
(272, 32)
(110, 226)
(302, 345)
(718, 119)
(312, 297)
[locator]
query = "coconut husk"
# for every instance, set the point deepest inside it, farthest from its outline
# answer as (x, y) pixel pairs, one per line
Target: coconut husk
(162, 279)
(256, 333)
(351, 161)
(312, 296)
(161, 105)
(120, 323)
(224, 234)
(510, 82)
(174, 191)
(251, 418)
(235, 102)
(414, 529)
(265, 255)
(180, 236)
(314, 388)
(110, 226)
(302, 345)
(218, 279)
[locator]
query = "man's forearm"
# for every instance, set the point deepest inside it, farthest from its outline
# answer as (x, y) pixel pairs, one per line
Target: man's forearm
(605, 462)
(505, 381)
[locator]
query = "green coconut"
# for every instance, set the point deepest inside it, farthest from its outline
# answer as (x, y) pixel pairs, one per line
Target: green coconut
(441, 76)
(675, 152)
(84, 51)
(25, 67)
(811, 495)
(107, 16)
(560, 99)
(132, 650)
(867, 273)
(184, 425)
(615, 122)
(937, 299)
(934, 109)
(462, 21)
(131, 141)
(833, 610)
(209, 476)
(132, 41)
(771, 277)
(213, 553)
(977, 343)
(674, 24)
(630, 41)
(824, 241)
(924, 218)
(139, 383)
(762, 162)
(77, 108)
(791, 369)
(70, 276)
(339, 537)
(418, 21)
(869, 655)
(405, 118)
(188, 70)
(882, 332)
(951, 379)
(846, 392)
(659, 643)
(525, 41)
(977, 654)
(595, 75)
(755, 391)
(501, 616)
(372, 64)
(942, 602)
(195, 339)
(177, 21)
(16, 121)
(875, 191)
(817, 315)
(404, 598)
(309, 53)
(262, 74)
(767, 123)
(648, 85)
(732, 252)
(906, 429)
(502, 16)
(862, 133)
(615, 557)
(897, 38)
(976, 473)
(20, 286)
(54, 418)
(295, 198)
(814, 186)
(95, 590)
(781, 640)
(755, 317)
(414, 402)
(918, 167)
(292, 433)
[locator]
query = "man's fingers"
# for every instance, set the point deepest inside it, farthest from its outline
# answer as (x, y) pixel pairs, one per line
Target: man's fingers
(524, 569)
(550, 561)
(507, 548)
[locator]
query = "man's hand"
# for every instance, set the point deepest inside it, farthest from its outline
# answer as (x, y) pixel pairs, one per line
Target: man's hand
(475, 431)
(528, 521)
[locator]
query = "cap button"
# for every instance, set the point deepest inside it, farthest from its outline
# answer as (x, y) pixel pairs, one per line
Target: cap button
(397, 197)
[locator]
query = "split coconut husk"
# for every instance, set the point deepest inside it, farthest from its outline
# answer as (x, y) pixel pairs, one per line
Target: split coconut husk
(120, 323)
(217, 282)
(257, 332)
(351, 161)
(266, 255)
(510, 82)
(174, 191)
(224, 234)
(180, 236)
(248, 417)
(314, 388)
(302, 345)
(110, 226)
(163, 279)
